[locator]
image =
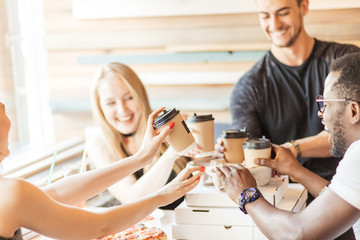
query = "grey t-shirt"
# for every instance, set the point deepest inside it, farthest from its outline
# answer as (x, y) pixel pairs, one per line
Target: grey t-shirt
(279, 102)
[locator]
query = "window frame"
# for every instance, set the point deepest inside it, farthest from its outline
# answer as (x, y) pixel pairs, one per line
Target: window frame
(30, 98)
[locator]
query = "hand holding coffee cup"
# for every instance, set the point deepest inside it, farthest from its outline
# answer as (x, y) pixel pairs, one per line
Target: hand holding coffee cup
(256, 148)
(233, 140)
(180, 139)
(202, 128)
(219, 148)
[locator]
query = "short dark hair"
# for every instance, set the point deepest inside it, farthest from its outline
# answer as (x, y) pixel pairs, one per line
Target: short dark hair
(348, 84)
(299, 2)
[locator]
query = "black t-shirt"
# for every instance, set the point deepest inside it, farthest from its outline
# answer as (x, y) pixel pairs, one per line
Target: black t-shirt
(279, 101)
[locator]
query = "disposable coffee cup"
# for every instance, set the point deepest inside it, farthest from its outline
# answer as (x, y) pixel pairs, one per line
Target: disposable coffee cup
(256, 148)
(202, 128)
(180, 139)
(233, 142)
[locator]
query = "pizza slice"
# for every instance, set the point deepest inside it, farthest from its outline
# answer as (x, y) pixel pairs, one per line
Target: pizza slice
(138, 232)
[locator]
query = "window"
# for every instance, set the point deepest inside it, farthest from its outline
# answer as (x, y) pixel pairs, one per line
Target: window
(31, 118)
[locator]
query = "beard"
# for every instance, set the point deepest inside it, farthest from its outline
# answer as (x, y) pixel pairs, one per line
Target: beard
(339, 146)
(293, 39)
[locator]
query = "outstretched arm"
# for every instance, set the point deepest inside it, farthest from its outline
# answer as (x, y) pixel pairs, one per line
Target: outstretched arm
(314, 146)
(130, 189)
(78, 188)
(325, 218)
(42, 214)
(286, 163)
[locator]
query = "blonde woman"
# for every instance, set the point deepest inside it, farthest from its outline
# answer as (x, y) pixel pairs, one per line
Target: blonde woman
(120, 107)
(49, 210)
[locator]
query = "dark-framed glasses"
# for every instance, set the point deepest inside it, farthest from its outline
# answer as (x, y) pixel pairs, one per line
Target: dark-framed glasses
(321, 102)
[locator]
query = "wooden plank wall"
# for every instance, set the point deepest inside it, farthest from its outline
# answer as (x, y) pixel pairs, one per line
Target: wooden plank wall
(76, 48)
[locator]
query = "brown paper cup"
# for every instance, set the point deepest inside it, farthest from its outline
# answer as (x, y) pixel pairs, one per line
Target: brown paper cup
(233, 142)
(180, 139)
(252, 154)
(256, 148)
(202, 128)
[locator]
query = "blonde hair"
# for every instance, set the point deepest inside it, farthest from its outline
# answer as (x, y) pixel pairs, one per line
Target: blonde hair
(112, 137)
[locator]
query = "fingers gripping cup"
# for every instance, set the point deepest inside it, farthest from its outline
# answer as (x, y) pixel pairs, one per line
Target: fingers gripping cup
(256, 148)
(202, 127)
(180, 139)
(233, 142)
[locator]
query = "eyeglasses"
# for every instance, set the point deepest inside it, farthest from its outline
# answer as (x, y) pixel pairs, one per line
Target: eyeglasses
(320, 102)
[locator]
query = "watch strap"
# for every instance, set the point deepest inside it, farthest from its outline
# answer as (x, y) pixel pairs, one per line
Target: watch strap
(243, 199)
(296, 146)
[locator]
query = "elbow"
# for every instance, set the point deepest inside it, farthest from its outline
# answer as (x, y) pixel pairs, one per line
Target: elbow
(101, 227)
(297, 233)
(292, 230)
(292, 235)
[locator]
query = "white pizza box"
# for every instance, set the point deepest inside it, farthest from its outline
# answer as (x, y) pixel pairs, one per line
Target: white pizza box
(296, 193)
(208, 196)
(205, 232)
(228, 216)
(221, 223)
(294, 199)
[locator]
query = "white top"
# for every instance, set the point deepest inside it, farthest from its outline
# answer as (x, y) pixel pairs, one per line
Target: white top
(346, 182)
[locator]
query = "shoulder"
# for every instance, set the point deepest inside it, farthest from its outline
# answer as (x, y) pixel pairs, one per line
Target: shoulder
(16, 189)
(257, 71)
(349, 166)
(13, 193)
(332, 50)
(95, 139)
(252, 84)
(352, 153)
(255, 76)
(346, 181)
(98, 151)
(12, 188)
(96, 143)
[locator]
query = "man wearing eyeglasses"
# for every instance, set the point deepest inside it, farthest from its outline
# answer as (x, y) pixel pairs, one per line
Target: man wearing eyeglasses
(337, 204)
(276, 98)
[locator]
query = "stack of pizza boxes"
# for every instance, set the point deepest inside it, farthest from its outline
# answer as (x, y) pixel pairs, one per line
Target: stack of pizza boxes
(208, 213)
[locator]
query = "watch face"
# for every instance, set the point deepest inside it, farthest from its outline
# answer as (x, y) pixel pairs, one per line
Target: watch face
(249, 193)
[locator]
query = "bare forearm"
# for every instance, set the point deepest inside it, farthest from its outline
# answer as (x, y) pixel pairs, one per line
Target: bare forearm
(151, 181)
(77, 188)
(311, 181)
(315, 146)
(90, 225)
(46, 216)
(273, 223)
(124, 216)
(309, 223)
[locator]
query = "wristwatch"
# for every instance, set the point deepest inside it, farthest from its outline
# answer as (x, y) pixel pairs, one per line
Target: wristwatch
(247, 196)
(296, 146)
